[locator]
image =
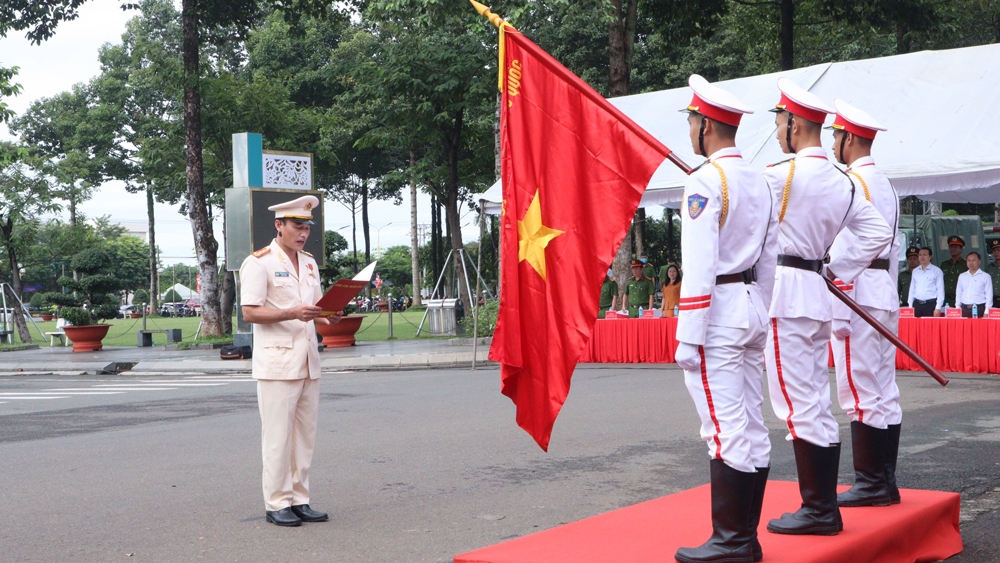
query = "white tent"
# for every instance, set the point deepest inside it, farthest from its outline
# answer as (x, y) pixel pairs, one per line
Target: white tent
(184, 291)
(941, 108)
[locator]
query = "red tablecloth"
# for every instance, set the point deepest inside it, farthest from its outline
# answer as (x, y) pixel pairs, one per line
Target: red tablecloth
(958, 345)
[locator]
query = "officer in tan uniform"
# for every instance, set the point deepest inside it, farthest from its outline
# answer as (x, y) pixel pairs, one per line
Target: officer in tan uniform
(279, 288)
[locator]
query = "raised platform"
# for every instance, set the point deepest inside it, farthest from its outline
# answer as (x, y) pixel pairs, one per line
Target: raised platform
(922, 528)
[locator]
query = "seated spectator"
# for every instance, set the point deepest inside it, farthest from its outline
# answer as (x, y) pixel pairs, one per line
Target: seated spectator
(671, 290)
(926, 287)
(975, 288)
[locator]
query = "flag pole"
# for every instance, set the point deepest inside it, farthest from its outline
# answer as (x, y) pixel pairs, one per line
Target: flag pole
(881, 329)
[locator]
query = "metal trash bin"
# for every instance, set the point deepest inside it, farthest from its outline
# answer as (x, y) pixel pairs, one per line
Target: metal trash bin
(441, 316)
(145, 339)
(173, 335)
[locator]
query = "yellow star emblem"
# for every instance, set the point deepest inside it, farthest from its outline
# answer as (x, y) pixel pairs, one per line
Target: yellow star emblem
(533, 237)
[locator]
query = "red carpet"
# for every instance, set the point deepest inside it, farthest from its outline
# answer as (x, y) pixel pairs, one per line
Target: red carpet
(924, 527)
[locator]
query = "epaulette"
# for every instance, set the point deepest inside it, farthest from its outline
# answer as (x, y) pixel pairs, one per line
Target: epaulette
(306, 253)
(781, 162)
(262, 252)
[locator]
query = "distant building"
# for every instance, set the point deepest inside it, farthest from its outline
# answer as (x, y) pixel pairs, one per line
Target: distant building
(137, 229)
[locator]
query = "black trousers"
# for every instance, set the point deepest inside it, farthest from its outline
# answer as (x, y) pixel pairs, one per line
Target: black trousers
(980, 311)
(924, 308)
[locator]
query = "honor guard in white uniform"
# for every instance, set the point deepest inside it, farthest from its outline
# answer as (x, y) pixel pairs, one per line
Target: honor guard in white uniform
(815, 200)
(728, 244)
(866, 360)
(279, 286)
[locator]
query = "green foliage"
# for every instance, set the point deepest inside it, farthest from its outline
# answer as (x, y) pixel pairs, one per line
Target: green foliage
(395, 266)
(141, 296)
(7, 89)
(949, 213)
(487, 313)
(96, 286)
(36, 301)
(77, 316)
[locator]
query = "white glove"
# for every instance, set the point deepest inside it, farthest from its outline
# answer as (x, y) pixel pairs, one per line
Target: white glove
(842, 329)
(687, 356)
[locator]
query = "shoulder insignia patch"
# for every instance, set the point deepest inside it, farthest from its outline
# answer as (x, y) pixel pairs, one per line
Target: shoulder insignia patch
(262, 251)
(781, 162)
(696, 204)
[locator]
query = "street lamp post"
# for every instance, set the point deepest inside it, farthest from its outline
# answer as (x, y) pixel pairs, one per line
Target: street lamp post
(378, 239)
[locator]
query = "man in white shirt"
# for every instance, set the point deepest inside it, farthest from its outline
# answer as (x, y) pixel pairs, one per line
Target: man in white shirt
(926, 287)
(975, 287)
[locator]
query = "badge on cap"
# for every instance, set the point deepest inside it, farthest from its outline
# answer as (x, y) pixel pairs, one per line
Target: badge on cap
(955, 240)
(696, 204)
(994, 244)
(914, 251)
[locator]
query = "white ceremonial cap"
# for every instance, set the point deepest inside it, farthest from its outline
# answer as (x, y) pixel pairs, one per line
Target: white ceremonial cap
(298, 210)
(798, 101)
(854, 120)
(714, 102)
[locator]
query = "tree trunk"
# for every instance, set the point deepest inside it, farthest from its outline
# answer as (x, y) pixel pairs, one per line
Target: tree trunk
(669, 216)
(228, 300)
(621, 40)
(639, 229)
(414, 239)
(365, 225)
(154, 297)
(206, 247)
(435, 238)
(72, 206)
(354, 234)
(902, 40)
(453, 143)
(14, 292)
(621, 266)
(786, 34)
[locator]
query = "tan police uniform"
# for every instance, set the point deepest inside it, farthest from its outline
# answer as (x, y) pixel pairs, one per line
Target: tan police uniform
(286, 366)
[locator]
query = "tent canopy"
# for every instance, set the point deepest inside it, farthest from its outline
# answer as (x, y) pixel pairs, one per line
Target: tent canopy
(941, 108)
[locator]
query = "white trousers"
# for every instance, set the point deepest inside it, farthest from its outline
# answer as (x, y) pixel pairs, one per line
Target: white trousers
(798, 379)
(288, 417)
(728, 392)
(866, 371)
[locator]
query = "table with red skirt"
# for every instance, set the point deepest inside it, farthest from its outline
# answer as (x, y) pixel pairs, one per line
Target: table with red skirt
(949, 344)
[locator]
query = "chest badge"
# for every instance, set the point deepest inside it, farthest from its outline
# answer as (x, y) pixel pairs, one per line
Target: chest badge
(281, 274)
(696, 204)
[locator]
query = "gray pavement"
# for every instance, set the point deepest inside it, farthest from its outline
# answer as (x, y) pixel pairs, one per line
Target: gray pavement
(414, 465)
(396, 354)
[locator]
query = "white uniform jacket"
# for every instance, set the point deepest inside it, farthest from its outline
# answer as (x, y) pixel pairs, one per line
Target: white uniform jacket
(874, 288)
(746, 238)
(287, 349)
(820, 204)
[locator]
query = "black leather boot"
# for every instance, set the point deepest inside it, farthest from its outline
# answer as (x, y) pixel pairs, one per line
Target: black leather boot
(732, 497)
(891, 453)
(308, 514)
(819, 516)
(870, 487)
(758, 501)
(283, 517)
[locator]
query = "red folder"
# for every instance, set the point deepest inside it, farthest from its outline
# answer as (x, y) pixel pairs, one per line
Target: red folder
(343, 291)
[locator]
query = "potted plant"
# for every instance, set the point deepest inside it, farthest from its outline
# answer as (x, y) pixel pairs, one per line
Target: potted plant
(90, 301)
(341, 334)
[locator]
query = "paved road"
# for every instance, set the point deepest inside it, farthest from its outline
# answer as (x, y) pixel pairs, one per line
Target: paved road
(413, 465)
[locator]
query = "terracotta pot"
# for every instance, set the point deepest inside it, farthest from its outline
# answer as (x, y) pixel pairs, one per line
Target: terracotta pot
(87, 338)
(340, 334)
(48, 317)
(134, 315)
(384, 307)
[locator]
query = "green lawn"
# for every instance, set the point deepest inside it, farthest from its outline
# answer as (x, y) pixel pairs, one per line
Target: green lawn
(375, 327)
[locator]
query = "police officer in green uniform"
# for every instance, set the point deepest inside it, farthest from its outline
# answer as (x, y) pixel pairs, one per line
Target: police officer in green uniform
(639, 290)
(953, 267)
(994, 270)
(648, 270)
(905, 275)
(609, 295)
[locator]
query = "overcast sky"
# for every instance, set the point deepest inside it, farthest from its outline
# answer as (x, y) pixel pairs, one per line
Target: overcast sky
(71, 57)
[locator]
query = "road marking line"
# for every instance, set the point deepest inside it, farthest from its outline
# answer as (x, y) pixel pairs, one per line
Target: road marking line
(139, 388)
(158, 384)
(32, 398)
(63, 392)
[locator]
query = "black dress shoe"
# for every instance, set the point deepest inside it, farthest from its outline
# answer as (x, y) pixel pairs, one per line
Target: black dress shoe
(309, 515)
(283, 517)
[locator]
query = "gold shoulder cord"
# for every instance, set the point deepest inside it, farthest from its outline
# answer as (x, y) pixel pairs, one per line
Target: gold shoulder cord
(788, 189)
(725, 194)
(868, 196)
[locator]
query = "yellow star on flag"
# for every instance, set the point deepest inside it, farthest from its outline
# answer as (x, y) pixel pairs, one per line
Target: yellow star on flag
(533, 237)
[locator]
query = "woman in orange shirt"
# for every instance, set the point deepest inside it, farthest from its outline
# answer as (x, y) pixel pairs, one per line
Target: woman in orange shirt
(671, 290)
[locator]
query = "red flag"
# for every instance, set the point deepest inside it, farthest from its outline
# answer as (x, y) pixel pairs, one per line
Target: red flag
(573, 169)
